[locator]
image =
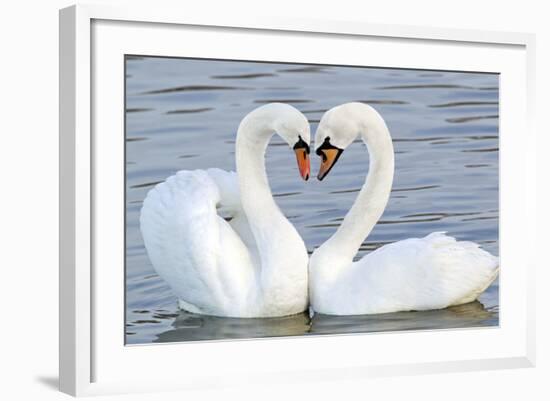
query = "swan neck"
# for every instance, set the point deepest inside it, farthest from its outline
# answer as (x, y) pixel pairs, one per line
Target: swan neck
(252, 140)
(283, 257)
(375, 192)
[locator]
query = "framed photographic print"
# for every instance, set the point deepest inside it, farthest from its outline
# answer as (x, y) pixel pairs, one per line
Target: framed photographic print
(307, 198)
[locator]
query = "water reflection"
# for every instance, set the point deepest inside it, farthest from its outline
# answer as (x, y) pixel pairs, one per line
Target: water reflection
(307, 69)
(290, 101)
(468, 119)
(191, 327)
(242, 76)
(473, 314)
(425, 86)
(457, 104)
(191, 88)
(187, 111)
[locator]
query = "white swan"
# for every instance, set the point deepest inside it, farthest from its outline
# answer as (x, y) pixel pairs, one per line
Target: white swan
(415, 274)
(254, 265)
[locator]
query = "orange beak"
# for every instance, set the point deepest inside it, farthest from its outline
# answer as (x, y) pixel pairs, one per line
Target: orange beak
(302, 158)
(328, 158)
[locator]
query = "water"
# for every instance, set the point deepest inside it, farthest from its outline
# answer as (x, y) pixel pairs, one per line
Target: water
(183, 114)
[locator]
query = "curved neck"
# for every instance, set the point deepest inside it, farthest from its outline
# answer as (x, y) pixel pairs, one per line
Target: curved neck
(257, 200)
(282, 254)
(373, 197)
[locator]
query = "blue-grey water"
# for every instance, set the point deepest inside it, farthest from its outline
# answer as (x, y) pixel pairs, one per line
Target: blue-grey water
(183, 114)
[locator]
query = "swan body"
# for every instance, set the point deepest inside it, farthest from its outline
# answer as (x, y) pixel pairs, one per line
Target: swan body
(249, 263)
(433, 272)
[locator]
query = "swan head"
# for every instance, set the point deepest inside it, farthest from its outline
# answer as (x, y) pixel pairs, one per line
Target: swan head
(338, 128)
(293, 127)
(336, 131)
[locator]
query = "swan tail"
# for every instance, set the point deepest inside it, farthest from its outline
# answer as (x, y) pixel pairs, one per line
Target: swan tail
(461, 269)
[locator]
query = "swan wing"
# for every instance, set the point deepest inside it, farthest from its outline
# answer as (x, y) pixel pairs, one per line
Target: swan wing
(191, 247)
(433, 272)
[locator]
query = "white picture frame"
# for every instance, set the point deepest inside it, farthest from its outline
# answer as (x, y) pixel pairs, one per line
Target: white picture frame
(93, 358)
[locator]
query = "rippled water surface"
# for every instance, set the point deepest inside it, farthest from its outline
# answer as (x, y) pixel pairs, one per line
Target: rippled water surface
(183, 114)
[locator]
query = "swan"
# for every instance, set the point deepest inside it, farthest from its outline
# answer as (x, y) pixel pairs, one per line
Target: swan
(255, 264)
(433, 272)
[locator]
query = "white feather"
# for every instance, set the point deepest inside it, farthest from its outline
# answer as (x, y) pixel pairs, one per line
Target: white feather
(433, 272)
